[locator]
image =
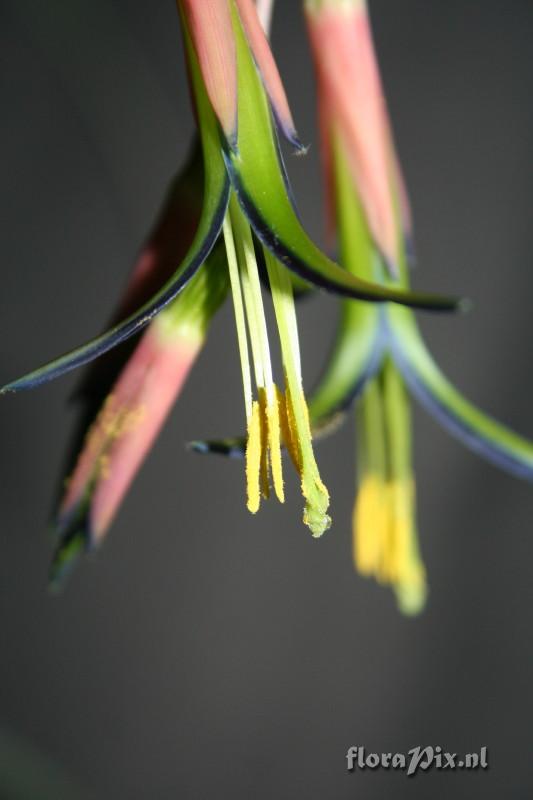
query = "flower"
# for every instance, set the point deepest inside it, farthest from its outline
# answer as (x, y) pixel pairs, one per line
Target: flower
(379, 352)
(236, 90)
(246, 204)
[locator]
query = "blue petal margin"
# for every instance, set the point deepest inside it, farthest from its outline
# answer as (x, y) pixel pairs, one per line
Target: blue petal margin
(330, 277)
(345, 402)
(477, 430)
(198, 252)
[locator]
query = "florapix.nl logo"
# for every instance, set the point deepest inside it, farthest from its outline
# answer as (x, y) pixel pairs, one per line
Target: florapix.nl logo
(416, 759)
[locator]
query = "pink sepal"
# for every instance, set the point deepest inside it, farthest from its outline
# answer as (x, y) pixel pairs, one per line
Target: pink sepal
(127, 426)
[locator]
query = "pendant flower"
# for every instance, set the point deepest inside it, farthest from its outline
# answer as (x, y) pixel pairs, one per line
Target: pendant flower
(245, 205)
(379, 352)
(236, 91)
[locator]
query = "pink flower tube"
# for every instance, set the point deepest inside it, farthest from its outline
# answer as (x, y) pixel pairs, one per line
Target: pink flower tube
(126, 428)
(141, 385)
(352, 107)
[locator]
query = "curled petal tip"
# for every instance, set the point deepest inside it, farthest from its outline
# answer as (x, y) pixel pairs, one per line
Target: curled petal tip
(290, 135)
(300, 149)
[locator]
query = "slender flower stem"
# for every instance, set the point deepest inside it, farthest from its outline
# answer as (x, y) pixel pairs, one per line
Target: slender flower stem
(301, 448)
(251, 286)
(238, 307)
(370, 514)
(407, 570)
(263, 449)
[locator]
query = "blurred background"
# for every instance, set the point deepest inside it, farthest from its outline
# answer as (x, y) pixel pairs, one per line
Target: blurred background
(204, 652)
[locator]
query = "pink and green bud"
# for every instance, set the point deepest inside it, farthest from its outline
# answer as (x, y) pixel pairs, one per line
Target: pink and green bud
(210, 25)
(258, 42)
(352, 109)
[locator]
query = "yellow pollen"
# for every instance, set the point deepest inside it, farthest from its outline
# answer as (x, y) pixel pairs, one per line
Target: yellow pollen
(288, 430)
(103, 467)
(254, 453)
(298, 439)
(370, 524)
(410, 575)
(274, 444)
(264, 465)
(111, 424)
(263, 449)
(385, 544)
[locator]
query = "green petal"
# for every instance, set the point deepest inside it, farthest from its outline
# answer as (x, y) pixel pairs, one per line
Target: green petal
(355, 357)
(216, 194)
(358, 347)
(477, 430)
(257, 176)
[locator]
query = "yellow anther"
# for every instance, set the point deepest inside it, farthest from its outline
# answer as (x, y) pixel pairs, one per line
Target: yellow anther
(385, 543)
(298, 440)
(274, 443)
(288, 431)
(263, 450)
(254, 454)
(410, 575)
(370, 524)
(271, 419)
(264, 465)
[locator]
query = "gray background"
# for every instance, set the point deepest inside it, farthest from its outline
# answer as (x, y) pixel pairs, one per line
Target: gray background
(205, 653)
